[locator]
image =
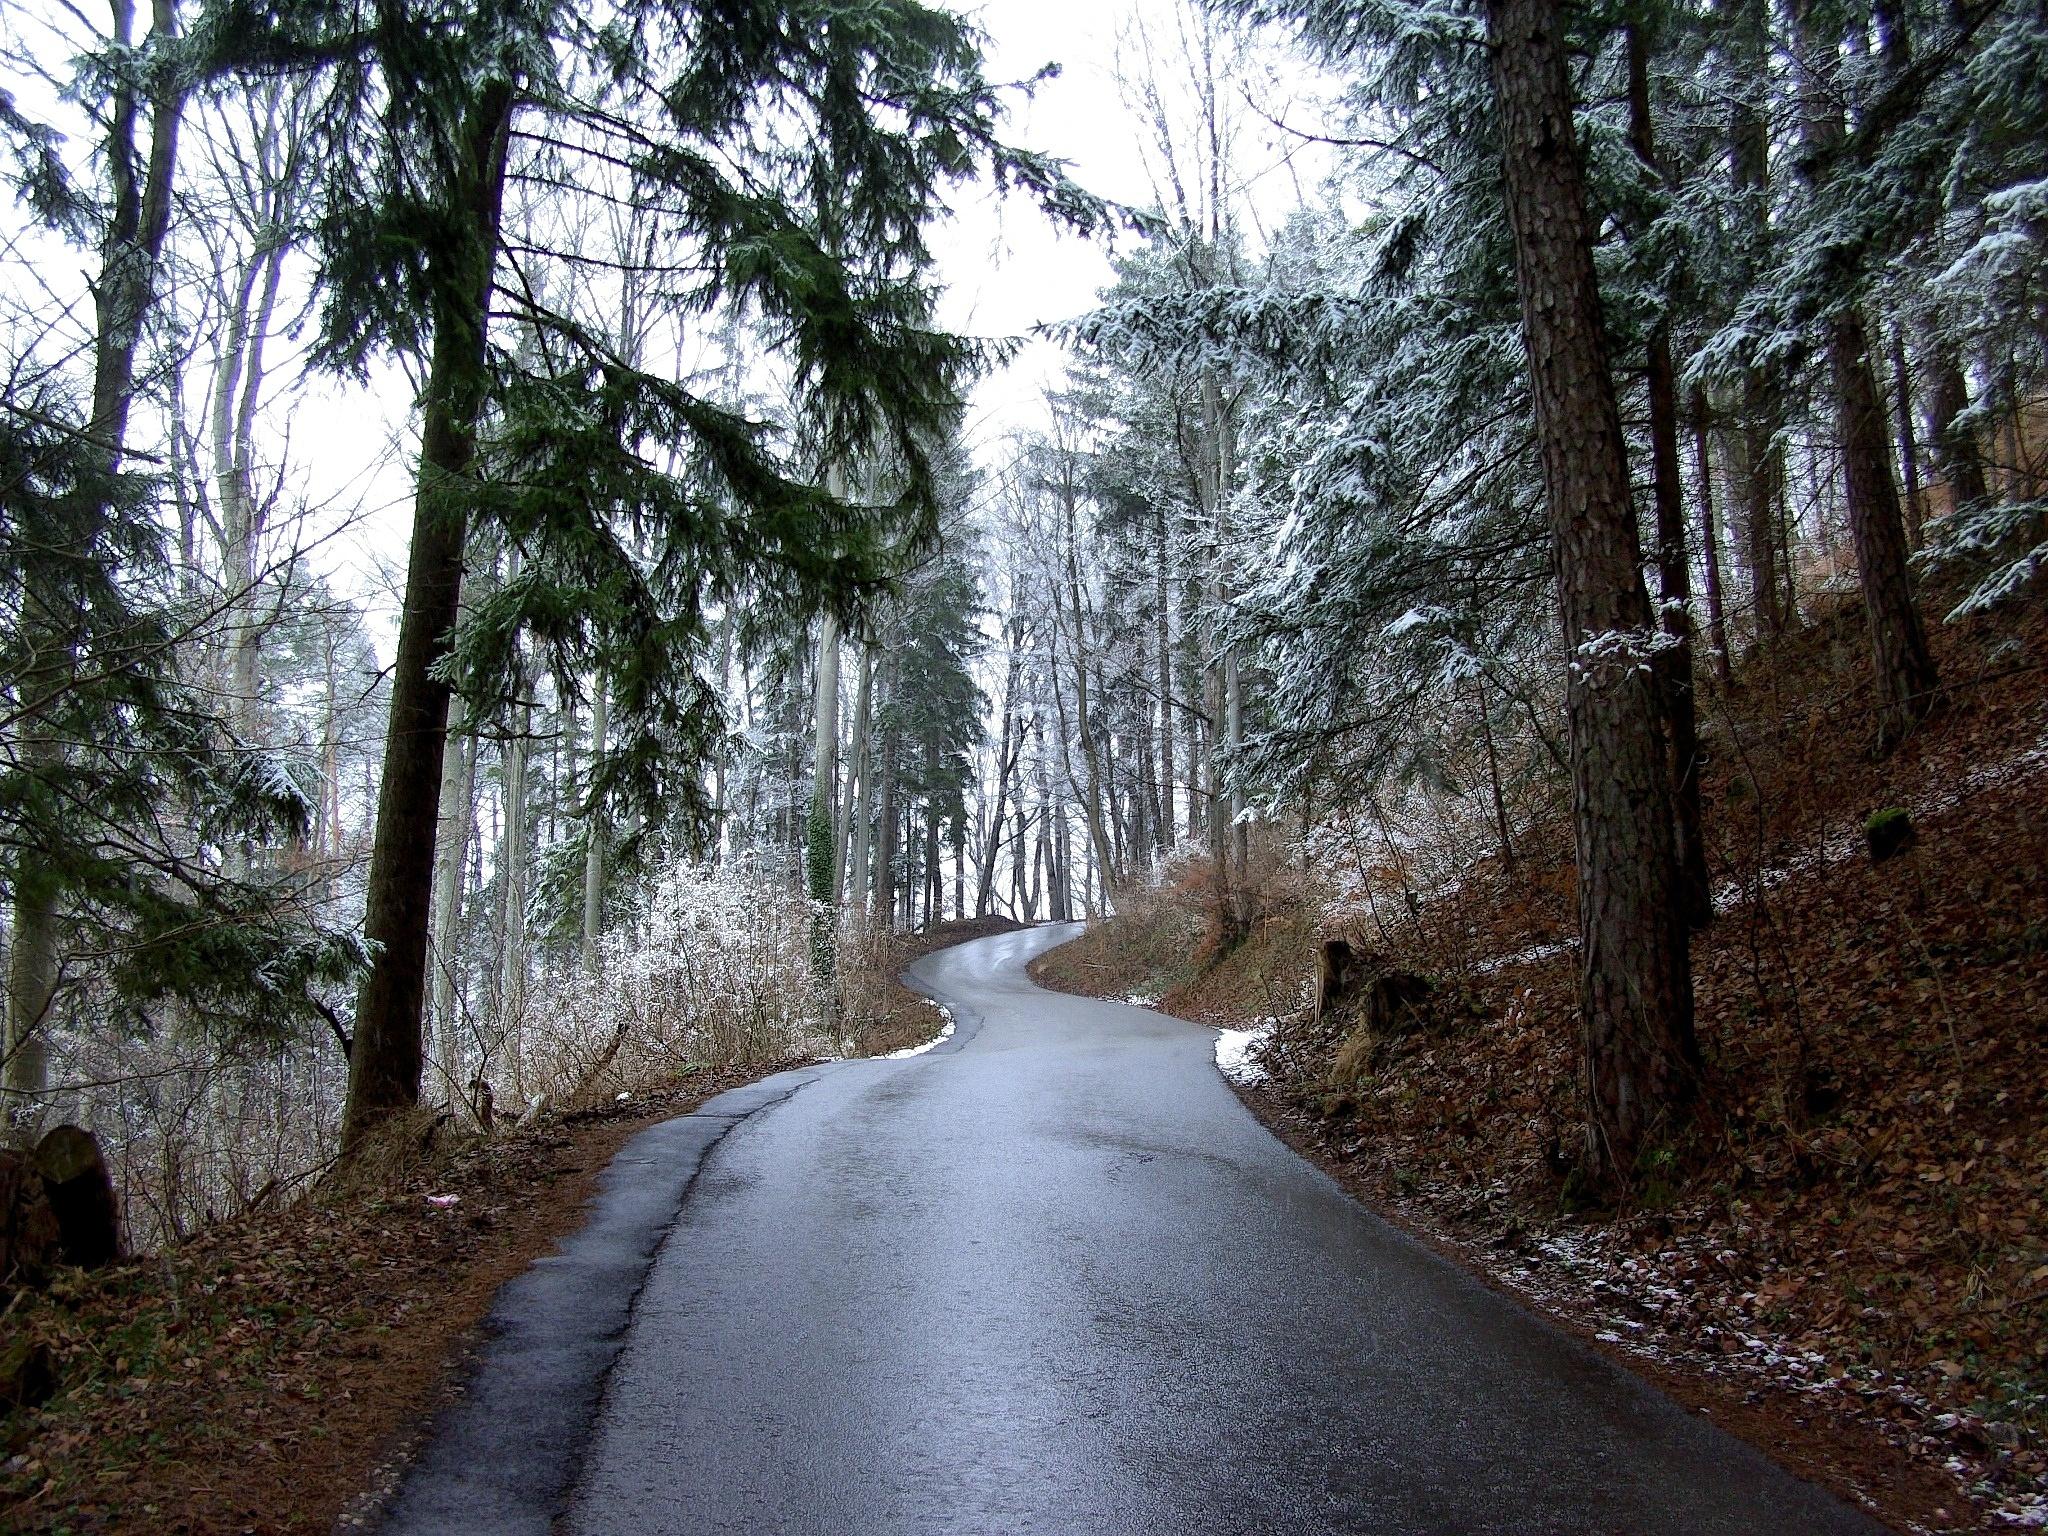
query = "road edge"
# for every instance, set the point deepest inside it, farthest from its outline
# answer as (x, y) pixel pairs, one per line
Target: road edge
(504, 1455)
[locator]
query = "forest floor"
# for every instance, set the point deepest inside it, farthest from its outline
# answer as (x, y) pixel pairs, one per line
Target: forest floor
(1845, 1258)
(270, 1374)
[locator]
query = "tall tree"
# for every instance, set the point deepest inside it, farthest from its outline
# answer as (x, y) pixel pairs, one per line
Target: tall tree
(1877, 527)
(1635, 980)
(445, 108)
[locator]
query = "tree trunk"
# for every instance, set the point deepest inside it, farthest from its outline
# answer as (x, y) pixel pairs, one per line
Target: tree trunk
(1710, 538)
(451, 858)
(384, 1065)
(513, 857)
(1091, 792)
(1906, 677)
(131, 251)
(860, 778)
(1877, 527)
(720, 786)
(1635, 987)
(822, 837)
(1955, 441)
(1909, 447)
(1760, 468)
(594, 829)
(885, 820)
(1500, 804)
(1163, 596)
(1674, 668)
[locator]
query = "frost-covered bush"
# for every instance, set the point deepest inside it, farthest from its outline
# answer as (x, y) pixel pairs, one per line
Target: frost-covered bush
(714, 969)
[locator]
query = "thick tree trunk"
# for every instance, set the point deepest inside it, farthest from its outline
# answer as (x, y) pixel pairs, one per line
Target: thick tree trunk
(1635, 985)
(1674, 565)
(1906, 678)
(384, 1066)
(1955, 441)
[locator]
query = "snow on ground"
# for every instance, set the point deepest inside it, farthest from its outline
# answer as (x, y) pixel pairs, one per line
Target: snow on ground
(918, 1050)
(1236, 1050)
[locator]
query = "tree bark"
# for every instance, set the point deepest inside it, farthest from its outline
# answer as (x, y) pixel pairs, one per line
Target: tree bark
(885, 821)
(594, 828)
(860, 782)
(1760, 469)
(513, 856)
(1955, 441)
(1674, 565)
(1090, 793)
(1007, 755)
(451, 855)
(1903, 664)
(1163, 596)
(1906, 676)
(825, 762)
(384, 1064)
(1635, 986)
(1909, 447)
(1710, 538)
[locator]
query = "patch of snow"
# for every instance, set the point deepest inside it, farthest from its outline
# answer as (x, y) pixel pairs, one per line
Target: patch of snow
(2028, 1512)
(1234, 1053)
(936, 1040)
(1529, 956)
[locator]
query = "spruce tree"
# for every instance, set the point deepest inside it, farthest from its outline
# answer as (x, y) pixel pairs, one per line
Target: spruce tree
(787, 155)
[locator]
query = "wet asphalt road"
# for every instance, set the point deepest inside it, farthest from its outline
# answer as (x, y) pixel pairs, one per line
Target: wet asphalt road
(1048, 1278)
(1053, 1278)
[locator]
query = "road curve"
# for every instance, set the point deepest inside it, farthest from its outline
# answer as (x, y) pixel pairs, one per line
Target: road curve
(1048, 1278)
(1054, 1278)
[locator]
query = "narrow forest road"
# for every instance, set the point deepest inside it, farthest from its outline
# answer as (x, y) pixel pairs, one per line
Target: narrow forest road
(1050, 1277)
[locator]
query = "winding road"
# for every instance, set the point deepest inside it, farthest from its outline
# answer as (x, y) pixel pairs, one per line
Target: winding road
(1050, 1277)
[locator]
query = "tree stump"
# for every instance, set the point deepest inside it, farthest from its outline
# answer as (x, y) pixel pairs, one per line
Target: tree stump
(81, 1196)
(1397, 1004)
(1889, 833)
(28, 1375)
(1334, 960)
(29, 1239)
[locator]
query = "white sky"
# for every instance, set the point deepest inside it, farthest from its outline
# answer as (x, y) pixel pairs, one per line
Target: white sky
(1006, 269)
